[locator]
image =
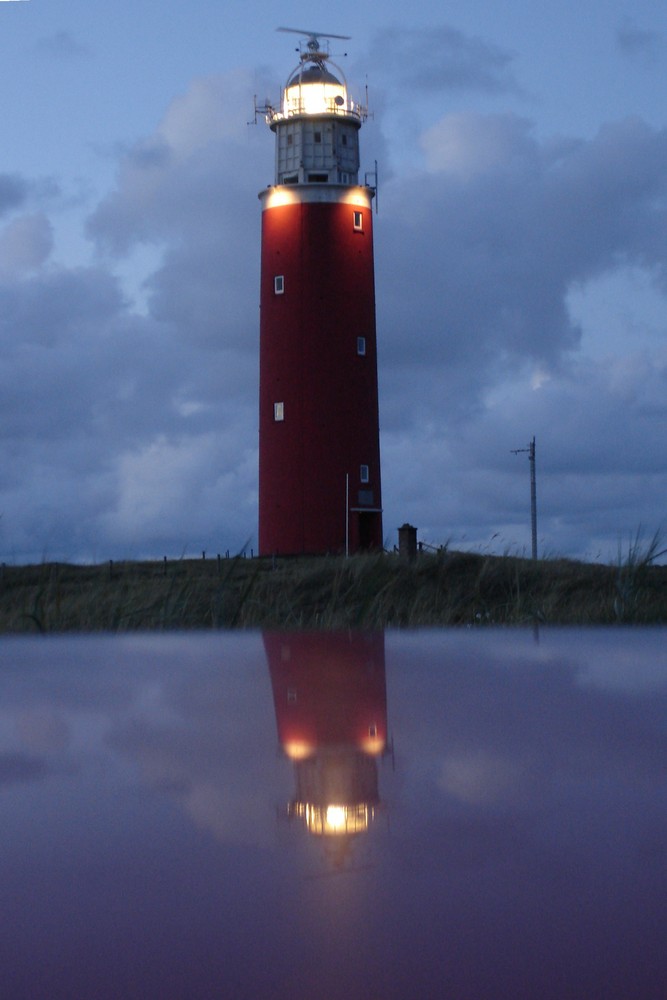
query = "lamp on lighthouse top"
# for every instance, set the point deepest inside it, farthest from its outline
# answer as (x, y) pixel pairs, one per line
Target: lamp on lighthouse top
(316, 124)
(312, 88)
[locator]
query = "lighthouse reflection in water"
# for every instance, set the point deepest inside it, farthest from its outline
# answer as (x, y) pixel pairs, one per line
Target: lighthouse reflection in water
(329, 693)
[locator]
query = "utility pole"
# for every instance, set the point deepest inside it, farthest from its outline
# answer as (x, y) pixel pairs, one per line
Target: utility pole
(533, 491)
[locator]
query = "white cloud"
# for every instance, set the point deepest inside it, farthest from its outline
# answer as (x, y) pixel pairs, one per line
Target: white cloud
(466, 145)
(194, 485)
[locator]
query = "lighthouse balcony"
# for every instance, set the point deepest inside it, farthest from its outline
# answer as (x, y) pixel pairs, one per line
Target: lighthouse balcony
(300, 107)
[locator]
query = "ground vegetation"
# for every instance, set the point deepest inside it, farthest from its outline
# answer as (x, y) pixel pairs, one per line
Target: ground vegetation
(382, 590)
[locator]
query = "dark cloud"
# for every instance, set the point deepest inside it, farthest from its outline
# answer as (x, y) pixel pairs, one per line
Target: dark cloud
(62, 45)
(599, 479)
(20, 768)
(56, 306)
(114, 427)
(503, 226)
(440, 59)
(633, 40)
(13, 192)
(25, 243)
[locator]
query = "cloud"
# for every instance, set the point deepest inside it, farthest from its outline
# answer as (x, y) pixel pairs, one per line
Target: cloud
(133, 431)
(150, 420)
(56, 306)
(25, 243)
(100, 408)
(440, 59)
(480, 347)
(503, 226)
(185, 179)
(633, 40)
(13, 192)
(466, 145)
(601, 466)
(62, 45)
(43, 730)
(482, 778)
(182, 487)
(18, 768)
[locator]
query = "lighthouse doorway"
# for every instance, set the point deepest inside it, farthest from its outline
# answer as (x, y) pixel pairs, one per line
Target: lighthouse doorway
(367, 530)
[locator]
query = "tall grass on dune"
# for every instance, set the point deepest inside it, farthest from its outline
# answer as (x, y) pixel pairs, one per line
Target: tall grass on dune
(366, 591)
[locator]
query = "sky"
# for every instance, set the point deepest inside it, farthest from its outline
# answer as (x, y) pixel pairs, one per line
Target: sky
(520, 251)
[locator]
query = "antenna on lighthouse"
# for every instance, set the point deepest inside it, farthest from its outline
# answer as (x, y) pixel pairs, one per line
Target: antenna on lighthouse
(314, 35)
(314, 52)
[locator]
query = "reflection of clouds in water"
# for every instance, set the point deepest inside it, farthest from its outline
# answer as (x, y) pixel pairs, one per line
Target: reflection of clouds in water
(231, 815)
(478, 777)
(43, 730)
(487, 720)
(210, 809)
(624, 672)
(17, 768)
(159, 768)
(227, 799)
(31, 737)
(633, 660)
(199, 755)
(180, 708)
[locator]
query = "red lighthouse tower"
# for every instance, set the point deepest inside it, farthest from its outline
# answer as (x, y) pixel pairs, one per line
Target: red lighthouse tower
(319, 451)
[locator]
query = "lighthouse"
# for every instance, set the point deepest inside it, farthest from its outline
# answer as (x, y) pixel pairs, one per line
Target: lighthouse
(319, 450)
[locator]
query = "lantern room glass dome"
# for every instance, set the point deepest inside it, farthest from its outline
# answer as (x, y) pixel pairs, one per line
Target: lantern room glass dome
(314, 90)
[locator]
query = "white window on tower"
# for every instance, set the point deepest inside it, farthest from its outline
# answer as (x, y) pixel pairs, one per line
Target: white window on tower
(358, 221)
(363, 473)
(361, 345)
(279, 284)
(278, 411)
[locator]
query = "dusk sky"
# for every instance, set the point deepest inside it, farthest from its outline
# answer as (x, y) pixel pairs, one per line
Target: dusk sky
(521, 269)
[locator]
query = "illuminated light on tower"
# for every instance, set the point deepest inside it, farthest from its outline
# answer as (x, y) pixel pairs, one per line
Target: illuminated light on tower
(319, 450)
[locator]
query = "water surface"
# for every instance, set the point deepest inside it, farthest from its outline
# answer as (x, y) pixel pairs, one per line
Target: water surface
(462, 814)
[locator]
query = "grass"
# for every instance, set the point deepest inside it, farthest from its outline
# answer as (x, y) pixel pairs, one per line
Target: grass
(366, 591)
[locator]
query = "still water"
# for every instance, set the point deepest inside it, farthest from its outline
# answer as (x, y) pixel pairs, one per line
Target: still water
(448, 814)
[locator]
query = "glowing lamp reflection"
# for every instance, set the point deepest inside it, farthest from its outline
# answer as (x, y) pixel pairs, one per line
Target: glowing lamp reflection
(333, 820)
(373, 745)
